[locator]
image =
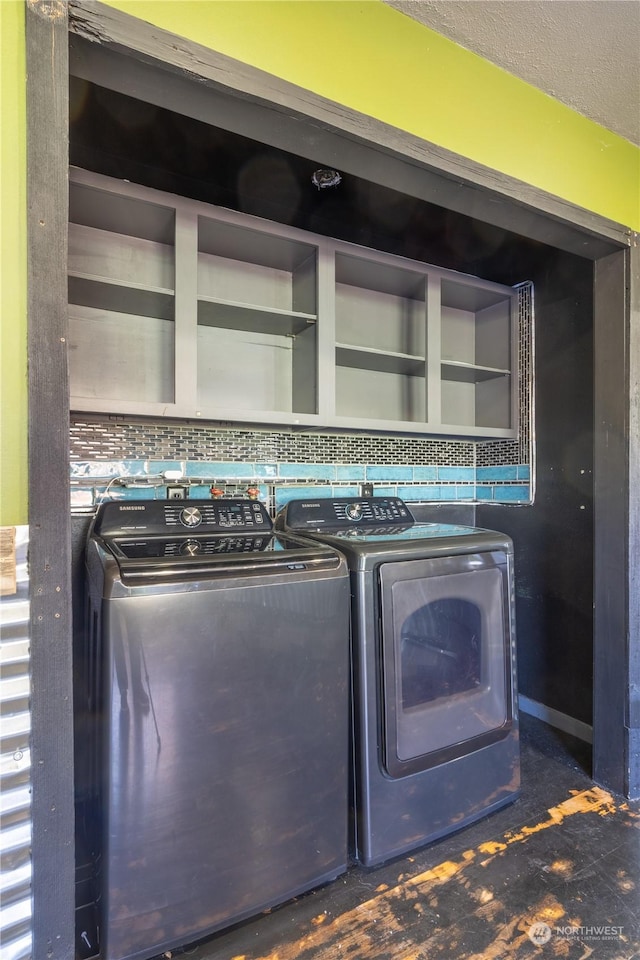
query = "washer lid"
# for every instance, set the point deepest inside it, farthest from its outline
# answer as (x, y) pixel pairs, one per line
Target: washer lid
(363, 520)
(170, 559)
(164, 541)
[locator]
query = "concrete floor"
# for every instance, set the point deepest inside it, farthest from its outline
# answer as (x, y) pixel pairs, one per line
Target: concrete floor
(556, 874)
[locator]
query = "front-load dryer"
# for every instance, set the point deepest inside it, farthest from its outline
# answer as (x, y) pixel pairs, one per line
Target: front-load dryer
(435, 728)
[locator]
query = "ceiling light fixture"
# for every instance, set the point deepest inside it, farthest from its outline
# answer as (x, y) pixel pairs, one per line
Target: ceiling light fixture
(325, 177)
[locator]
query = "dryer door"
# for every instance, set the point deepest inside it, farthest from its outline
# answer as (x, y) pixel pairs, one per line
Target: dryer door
(446, 658)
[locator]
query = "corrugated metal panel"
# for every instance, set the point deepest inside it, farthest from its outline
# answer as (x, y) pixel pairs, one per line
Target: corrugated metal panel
(15, 766)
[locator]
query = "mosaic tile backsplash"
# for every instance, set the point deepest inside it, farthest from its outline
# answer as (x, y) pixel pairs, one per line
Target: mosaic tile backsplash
(116, 458)
(140, 460)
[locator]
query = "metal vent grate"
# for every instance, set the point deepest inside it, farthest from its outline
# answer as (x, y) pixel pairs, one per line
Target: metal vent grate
(15, 764)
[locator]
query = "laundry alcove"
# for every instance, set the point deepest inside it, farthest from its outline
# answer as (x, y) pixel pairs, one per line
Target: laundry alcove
(584, 517)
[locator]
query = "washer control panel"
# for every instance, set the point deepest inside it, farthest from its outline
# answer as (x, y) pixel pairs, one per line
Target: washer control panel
(175, 516)
(347, 512)
(221, 514)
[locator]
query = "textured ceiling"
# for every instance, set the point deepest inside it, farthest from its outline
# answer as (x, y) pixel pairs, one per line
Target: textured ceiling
(585, 53)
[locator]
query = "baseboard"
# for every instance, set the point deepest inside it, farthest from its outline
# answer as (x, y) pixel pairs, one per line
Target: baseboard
(583, 731)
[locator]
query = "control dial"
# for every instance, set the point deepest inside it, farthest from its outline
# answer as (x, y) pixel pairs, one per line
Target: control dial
(190, 517)
(190, 548)
(354, 511)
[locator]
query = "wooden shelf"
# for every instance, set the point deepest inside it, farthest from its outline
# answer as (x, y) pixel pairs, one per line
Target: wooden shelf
(469, 373)
(242, 316)
(368, 358)
(464, 294)
(121, 297)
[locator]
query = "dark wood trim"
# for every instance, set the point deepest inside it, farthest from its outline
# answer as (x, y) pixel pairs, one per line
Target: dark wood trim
(633, 715)
(245, 100)
(611, 522)
(49, 515)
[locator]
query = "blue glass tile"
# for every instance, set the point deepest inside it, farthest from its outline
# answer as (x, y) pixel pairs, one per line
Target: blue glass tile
(425, 473)
(417, 492)
(386, 491)
(524, 471)
(82, 468)
(199, 491)
(107, 468)
(220, 470)
(129, 493)
(465, 491)
(350, 472)
(344, 491)
(511, 494)
(454, 474)
(431, 491)
(266, 470)
(497, 473)
(448, 492)
(284, 494)
(101, 495)
(391, 474)
(81, 498)
(202, 468)
(315, 471)
(155, 468)
(148, 493)
(484, 493)
(134, 468)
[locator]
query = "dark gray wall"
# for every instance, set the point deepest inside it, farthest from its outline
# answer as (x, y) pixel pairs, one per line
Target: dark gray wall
(554, 538)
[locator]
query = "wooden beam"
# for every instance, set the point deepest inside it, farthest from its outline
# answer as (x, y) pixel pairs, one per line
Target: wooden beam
(49, 513)
(632, 789)
(612, 546)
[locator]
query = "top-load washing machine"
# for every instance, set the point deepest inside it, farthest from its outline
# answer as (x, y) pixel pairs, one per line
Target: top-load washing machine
(435, 729)
(213, 720)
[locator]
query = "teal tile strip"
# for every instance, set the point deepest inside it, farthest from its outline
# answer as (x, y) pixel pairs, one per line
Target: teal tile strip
(456, 474)
(287, 480)
(511, 494)
(396, 474)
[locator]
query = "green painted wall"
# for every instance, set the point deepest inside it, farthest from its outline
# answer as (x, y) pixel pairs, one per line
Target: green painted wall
(375, 60)
(13, 267)
(361, 54)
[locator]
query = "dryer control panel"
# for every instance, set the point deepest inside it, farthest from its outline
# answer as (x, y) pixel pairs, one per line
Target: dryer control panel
(343, 512)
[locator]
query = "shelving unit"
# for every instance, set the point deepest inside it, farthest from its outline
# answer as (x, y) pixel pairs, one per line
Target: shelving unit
(257, 309)
(121, 297)
(476, 355)
(181, 309)
(380, 318)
